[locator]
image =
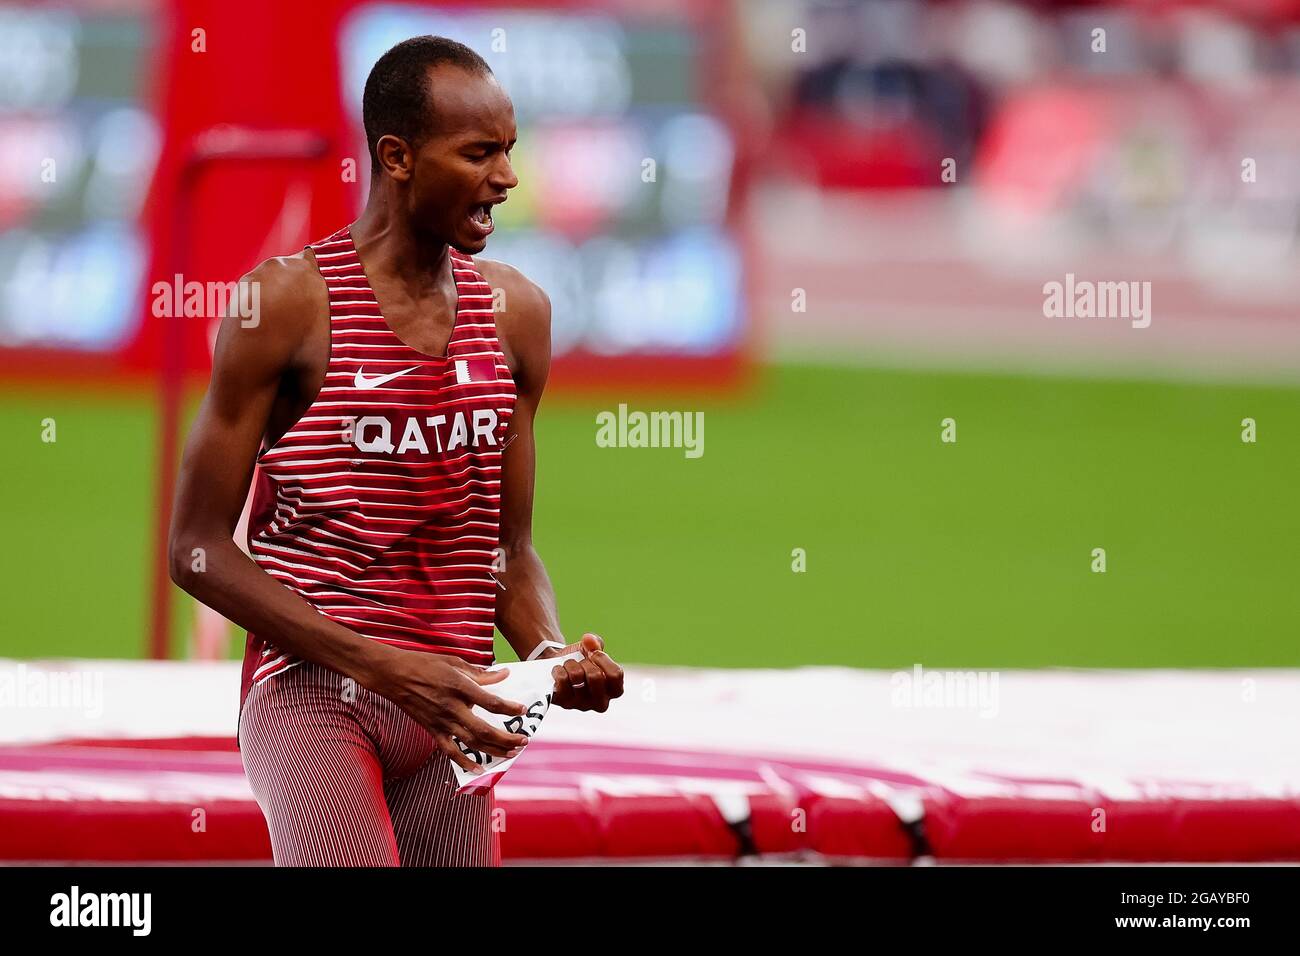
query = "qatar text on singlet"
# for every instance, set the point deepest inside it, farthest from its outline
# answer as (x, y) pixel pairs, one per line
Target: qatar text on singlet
(381, 505)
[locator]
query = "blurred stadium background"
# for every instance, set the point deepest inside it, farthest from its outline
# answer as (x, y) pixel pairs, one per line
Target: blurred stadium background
(780, 170)
(800, 269)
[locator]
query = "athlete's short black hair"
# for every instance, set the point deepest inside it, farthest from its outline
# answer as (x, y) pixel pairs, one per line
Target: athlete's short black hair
(397, 93)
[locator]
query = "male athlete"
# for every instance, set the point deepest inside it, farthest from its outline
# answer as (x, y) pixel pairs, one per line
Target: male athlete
(390, 411)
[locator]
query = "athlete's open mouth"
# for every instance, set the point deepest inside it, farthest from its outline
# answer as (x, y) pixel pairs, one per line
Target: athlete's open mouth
(480, 217)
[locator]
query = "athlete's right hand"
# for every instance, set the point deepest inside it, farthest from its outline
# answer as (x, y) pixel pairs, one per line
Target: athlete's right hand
(439, 691)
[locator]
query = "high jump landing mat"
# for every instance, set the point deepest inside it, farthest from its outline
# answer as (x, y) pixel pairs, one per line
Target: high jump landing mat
(131, 762)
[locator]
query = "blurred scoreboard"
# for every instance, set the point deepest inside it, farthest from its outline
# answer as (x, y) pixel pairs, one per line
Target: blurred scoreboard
(624, 214)
(77, 152)
(625, 178)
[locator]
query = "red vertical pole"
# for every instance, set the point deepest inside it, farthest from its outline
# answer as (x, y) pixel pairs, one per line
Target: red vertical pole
(171, 377)
(220, 144)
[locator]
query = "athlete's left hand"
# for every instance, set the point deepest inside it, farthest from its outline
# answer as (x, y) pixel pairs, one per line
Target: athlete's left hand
(588, 684)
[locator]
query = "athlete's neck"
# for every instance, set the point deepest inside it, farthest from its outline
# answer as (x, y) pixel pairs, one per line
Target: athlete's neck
(389, 244)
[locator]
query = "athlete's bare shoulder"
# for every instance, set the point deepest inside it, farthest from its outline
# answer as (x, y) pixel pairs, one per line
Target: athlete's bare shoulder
(294, 297)
(523, 319)
(290, 320)
(525, 301)
(294, 274)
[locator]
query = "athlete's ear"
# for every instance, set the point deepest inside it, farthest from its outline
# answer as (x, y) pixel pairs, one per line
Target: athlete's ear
(395, 157)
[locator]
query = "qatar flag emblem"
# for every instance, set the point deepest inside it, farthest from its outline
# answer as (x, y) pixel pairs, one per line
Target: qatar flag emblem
(469, 371)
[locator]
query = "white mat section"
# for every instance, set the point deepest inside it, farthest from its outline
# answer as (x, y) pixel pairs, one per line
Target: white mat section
(1120, 730)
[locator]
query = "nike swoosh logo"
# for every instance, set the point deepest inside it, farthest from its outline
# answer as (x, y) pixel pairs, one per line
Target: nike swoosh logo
(364, 383)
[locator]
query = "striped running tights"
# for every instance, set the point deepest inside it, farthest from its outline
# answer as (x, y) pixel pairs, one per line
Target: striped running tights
(347, 778)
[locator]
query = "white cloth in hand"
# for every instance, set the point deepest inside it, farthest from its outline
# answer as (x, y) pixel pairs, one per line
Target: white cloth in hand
(529, 683)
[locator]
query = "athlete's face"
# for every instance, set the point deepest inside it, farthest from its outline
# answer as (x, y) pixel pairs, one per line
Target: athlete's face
(463, 169)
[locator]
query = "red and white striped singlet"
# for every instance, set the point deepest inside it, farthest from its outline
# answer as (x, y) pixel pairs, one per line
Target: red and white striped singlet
(381, 505)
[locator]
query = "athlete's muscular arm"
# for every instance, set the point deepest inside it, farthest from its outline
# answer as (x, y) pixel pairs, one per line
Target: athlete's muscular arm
(526, 613)
(253, 368)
